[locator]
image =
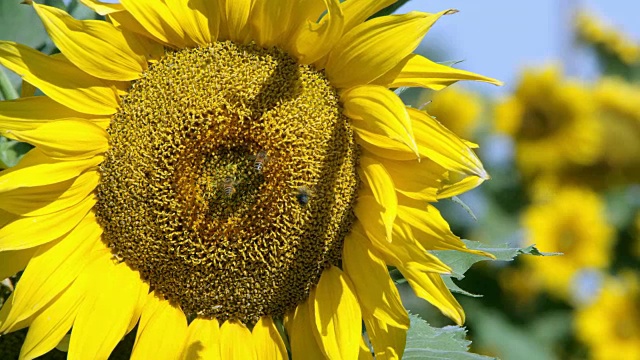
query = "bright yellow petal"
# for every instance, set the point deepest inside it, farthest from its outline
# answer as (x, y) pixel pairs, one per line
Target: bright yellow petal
(66, 139)
(374, 47)
(198, 18)
(337, 317)
(4, 313)
(268, 21)
(13, 261)
(379, 117)
(444, 147)
(203, 340)
(236, 342)
(105, 313)
(418, 71)
(403, 250)
(159, 20)
(96, 47)
(370, 212)
(162, 331)
(53, 267)
(267, 340)
(53, 323)
(429, 228)
(60, 80)
(32, 231)
(376, 291)
(31, 112)
(430, 287)
(467, 183)
(315, 40)
(417, 180)
(299, 329)
(383, 189)
(356, 12)
(47, 199)
(102, 8)
(234, 19)
(388, 341)
(37, 169)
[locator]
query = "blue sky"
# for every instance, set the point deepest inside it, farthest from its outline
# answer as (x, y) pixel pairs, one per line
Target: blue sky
(498, 38)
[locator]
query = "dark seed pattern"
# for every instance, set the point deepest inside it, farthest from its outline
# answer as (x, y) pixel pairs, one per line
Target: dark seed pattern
(182, 201)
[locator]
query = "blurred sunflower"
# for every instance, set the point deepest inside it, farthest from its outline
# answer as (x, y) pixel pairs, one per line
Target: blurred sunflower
(552, 121)
(456, 109)
(573, 223)
(210, 169)
(593, 30)
(610, 325)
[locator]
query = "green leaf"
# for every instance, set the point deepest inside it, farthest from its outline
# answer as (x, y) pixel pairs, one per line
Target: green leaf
(466, 207)
(11, 152)
(7, 90)
(390, 9)
(461, 262)
(426, 342)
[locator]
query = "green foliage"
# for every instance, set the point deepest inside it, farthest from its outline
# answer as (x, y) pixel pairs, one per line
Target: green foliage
(461, 262)
(11, 152)
(426, 342)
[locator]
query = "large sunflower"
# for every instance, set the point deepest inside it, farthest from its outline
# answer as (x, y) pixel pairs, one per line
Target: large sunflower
(209, 170)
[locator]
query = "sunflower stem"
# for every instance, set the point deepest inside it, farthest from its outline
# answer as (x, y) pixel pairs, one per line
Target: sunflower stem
(6, 88)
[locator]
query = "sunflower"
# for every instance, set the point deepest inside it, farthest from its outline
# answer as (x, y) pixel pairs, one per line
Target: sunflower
(553, 122)
(573, 223)
(610, 325)
(457, 109)
(230, 177)
(595, 31)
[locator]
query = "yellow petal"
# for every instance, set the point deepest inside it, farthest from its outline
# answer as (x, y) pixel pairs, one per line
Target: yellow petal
(383, 189)
(430, 229)
(53, 267)
(467, 183)
(37, 169)
(299, 328)
(102, 8)
(365, 352)
(267, 340)
(32, 112)
(379, 117)
(234, 19)
(162, 331)
(194, 17)
(53, 323)
(60, 80)
(66, 139)
(444, 147)
(268, 22)
(47, 199)
(430, 287)
(96, 47)
(388, 341)
(338, 321)
(203, 340)
(370, 213)
(232, 334)
(4, 313)
(404, 248)
(417, 180)
(14, 260)
(32, 231)
(376, 291)
(105, 313)
(158, 19)
(418, 71)
(356, 12)
(376, 46)
(315, 40)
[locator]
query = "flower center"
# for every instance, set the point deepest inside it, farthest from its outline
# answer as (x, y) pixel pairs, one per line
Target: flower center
(230, 180)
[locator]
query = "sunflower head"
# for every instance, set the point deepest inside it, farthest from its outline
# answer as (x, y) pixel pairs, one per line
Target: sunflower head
(221, 173)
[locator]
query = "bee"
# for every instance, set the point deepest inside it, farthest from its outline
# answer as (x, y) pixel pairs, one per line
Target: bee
(228, 186)
(261, 159)
(303, 194)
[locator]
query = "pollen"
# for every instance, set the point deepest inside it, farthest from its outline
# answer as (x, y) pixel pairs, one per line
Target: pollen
(200, 189)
